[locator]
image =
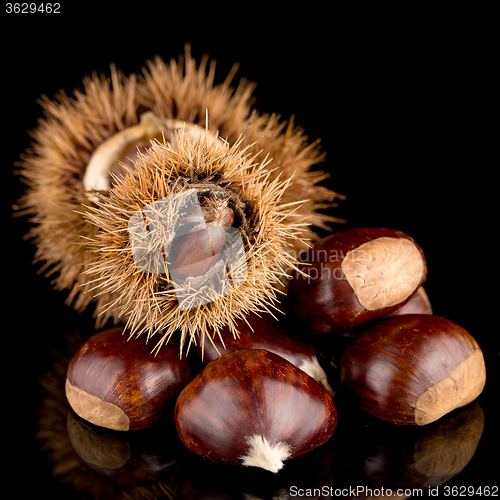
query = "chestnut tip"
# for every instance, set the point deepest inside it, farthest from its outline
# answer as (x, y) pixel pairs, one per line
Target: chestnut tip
(265, 455)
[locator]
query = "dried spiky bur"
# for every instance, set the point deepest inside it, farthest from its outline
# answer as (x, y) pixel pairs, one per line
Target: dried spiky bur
(53, 169)
(293, 156)
(105, 164)
(161, 211)
(65, 166)
(72, 129)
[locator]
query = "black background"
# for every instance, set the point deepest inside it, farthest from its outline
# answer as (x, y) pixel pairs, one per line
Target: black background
(404, 110)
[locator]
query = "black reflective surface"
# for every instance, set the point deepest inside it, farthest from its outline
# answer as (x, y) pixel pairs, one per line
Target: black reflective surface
(363, 457)
(405, 142)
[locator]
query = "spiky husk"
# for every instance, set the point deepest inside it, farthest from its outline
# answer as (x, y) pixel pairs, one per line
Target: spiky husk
(53, 168)
(149, 300)
(73, 127)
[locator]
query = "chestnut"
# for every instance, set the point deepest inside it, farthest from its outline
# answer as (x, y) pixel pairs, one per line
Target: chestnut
(117, 382)
(355, 276)
(265, 332)
(412, 369)
(200, 248)
(419, 303)
(254, 408)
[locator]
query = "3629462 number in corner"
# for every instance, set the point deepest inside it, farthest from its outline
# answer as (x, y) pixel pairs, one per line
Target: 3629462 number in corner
(32, 8)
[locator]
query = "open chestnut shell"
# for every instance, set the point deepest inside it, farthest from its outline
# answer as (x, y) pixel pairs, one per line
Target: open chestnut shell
(254, 408)
(356, 276)
(117, 382)
(413, 369)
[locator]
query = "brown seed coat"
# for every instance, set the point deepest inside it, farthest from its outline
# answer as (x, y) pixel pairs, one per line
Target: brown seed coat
(120, 384)
(413, 369)
(329, 301)
(248, 393)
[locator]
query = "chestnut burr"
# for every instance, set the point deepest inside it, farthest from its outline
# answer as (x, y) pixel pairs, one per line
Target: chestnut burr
(117, 382)
(265, 332)
(253, 408)
(355, 276)
(413, 369)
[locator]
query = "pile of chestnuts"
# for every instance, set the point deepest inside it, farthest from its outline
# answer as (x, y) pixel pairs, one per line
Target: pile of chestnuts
(263, 398)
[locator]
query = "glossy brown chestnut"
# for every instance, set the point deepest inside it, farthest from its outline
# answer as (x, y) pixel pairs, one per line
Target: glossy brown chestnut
(118, 383)
(200, 248)
(419, 303)
(265, 332)
(355, 276)
(413, 369)
(254, 408)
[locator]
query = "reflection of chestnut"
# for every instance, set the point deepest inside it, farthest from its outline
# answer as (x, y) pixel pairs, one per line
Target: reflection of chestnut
(413, 369)
(265, 332)
(356, 276)
(118, 383)
(428, 458)
(254, 408)
(128, 458)
(218, 481)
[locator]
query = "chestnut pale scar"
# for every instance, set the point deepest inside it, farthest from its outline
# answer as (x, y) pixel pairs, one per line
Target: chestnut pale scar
(384, 272)
(95, 410)
(462, 386)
